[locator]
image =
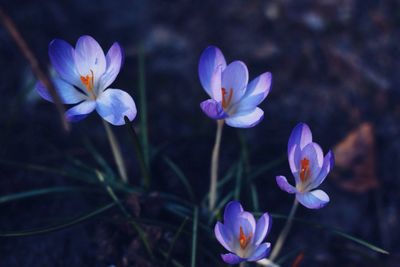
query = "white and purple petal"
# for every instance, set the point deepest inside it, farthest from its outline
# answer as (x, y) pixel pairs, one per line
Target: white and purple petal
(235, 77)
(301, 136)
(212, 63)
(261, 252)
(263, 227)
(67, 92)
(246, 221)
(284, 185)
(257, 90)
(231, 258)
(313, 200)
(223, 235)
(114, 60)
(114, 104)
(80, 111)
(61, 56)
(326, 168)
(213, 109)
(246, 120)
(313, 153)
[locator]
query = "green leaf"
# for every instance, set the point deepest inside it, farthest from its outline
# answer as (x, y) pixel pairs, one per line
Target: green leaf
(194, 236)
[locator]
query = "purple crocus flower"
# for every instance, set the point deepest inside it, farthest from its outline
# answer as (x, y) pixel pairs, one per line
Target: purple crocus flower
(232, 98)
(241, 235)
(309, 168)
(84, 74)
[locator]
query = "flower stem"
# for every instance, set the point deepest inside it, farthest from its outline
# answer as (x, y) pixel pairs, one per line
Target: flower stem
(214, 165)
(115, 148)
(285, 231)
(139, 154)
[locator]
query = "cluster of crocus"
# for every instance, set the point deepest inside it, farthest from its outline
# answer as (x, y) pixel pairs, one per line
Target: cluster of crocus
(233, 99)
(84, 74)
(309, 168)
(242, 236)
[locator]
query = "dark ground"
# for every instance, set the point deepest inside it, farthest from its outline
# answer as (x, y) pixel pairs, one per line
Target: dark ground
(335, 65)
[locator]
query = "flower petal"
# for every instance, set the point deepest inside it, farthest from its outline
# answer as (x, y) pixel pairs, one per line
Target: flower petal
(232, 211)
(89, 57)
(301, 136)
(223, 235)
(313, 200)
(114, 104)
(314, 154)
(231, 258)
(246, 221)
(67, 92)
(61, 56)
(246, 120)
(213, 109)
(263, 227)
(257, 90)
(211, 65)
(284, 185)
(326, 168)
(261, 252)
(80, 111)
(235, 77)
(114, 59)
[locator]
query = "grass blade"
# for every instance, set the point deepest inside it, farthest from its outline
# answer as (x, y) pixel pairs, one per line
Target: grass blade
(194, 236)
(179, 173)
(177, 235)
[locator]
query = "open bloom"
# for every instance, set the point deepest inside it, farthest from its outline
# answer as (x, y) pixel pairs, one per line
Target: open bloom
(84, 74)
(241, 235)
(309, 168)
(232, 98)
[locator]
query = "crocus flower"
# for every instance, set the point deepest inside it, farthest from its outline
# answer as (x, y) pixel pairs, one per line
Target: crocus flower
(241, 235)
(84, 74)
(232, 98)
(309, 168)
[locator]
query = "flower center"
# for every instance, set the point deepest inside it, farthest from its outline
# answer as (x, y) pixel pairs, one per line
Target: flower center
(304, 170)
(226, 98)
(88, 82)
(243, 240)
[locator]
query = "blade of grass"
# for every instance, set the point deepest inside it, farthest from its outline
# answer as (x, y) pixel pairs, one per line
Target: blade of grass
(99, 159)
(182, 177)
(177, 235)
(194, 237)
(70, 223)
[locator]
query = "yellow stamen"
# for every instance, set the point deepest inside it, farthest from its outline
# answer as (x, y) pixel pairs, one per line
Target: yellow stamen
(304, 170)
(225, 101)
(243, 240)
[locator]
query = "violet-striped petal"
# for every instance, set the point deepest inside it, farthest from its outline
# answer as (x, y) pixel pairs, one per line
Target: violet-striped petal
(213, 109)
(223, 235)
(114, 104)
(80, 111)
(284, 185)
(246, 120)
(235, 77)
(211, 65)
(89, 57)
(262, 228)
(61, 56)
(261, 252)
(257, 90)
(313, 200)
(232, 211)
(301, 136)
(114, 60)
(231, 258)
(67, 92)
(326, 168)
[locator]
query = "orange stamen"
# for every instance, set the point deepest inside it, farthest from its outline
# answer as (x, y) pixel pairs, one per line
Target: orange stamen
(243, 240)
(88, 81)
(226, 102)
(304, 170)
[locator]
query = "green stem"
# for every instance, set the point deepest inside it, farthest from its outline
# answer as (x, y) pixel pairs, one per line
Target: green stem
(285, 231)
(139, 154)
(115, 148)
(214, 165)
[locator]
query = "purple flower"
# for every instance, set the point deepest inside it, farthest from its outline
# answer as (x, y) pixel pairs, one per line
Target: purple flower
(309, 168)
(84, 75)
(232, 98)
(241, 235)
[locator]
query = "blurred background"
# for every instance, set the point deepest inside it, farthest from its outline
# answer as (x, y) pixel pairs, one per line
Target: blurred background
(335, 66)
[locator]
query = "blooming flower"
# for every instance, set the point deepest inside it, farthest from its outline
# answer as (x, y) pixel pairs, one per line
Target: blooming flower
(232, 98)
(309, 168)
(84, 74)
(241, 235)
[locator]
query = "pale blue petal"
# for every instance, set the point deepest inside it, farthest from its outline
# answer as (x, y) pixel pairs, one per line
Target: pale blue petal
(326, 168)
(235, 77)
(246, 221)
(80, 111)
(312, 152)
(211, 65)
(313, 200)
(114, 59)
(300, 136)
(67, 92)
(114, 104)
(223, 235)
(284, 185)
(261, 252)
(213, 109)
(232, 211)
(257, 90)
(246, 120)
(263, 227)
